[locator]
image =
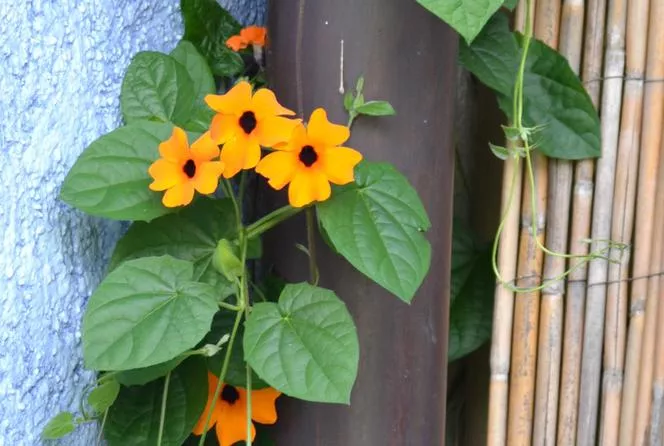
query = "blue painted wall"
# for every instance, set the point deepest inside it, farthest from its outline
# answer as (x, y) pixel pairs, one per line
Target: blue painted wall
(61, 66)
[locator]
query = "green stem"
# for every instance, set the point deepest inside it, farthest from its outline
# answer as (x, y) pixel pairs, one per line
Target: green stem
(311, 245)
(241, 189)
(248, 368)
(270, 220)
(162, 416)
(222, 376)
(101, 428)
(228, 190)
(230, 307)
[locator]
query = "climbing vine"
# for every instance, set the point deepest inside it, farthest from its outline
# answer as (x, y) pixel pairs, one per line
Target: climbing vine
(185, 337)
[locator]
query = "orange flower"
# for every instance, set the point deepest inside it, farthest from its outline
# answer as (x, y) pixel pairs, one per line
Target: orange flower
(251, 35)
(244, 123)
(181, 169)
(230, 411)
(311, 160)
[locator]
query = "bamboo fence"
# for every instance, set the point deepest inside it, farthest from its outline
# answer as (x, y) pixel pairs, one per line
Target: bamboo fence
(582, 362)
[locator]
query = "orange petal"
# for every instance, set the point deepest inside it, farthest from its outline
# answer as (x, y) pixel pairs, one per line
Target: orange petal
(232, 423)
(322, 130)
(223, 127)
(166, 174)
(264, 104)
(207, 176)
(239, 153)
(339, 163)
(307, 186)
(179, 195)
(204, 148)
(212, 384)
(278, 168)
(254, 34)
(274, 130)
(236, 43)
(235, 101)
(263, 409)
(176, 148)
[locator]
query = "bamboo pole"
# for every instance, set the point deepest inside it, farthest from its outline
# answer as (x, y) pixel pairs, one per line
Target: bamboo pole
(504, 297)
(623, 222)
(657, 413)
(529, 270)
(549, 353)
(648, 167)
(580, 231)
(650, 323)
(601, 225)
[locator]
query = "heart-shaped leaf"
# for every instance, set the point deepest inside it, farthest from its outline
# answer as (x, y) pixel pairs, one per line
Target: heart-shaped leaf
(156, 87)
(377, 225)
(134, 418)
(145, 312)
(139, 377)
(103, 396)
(110, 179)
(207, 25)
(304, 346)
(556, 104)
(199, 71)
(467, 17)
(472, 291)
(60, 425)
(190, 234)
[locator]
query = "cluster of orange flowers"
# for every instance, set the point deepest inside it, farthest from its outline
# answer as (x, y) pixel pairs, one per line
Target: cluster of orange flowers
(307, 158)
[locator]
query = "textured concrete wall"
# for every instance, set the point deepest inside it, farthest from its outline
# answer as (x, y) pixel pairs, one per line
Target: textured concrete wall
(61, 65)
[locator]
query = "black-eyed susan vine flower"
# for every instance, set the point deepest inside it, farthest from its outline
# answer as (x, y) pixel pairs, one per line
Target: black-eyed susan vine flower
(251, 35)
(182, 169)
(229, 415)
(310, 160)
(245, 122)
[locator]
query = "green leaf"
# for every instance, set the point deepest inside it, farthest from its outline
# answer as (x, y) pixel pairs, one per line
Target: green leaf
(59, 426)
(236, 374)
(145, 312)
(134, 418)
(139, 377)
(110, 179)
(103, 396)
(348, 100)
(510, 4)
(555, 101)
(156, 87)
(304, 346)
(472, 292)
(190, 234)
(494, 55)
(207, 25)
(376, 108)
(377, 225)
(467, 17)
(199, 71)
(501, 152)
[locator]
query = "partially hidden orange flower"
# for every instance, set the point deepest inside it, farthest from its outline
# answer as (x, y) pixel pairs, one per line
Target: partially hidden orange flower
(245, 122)
(251, 35)
(311, 160)
(229, 415)
(183, 169)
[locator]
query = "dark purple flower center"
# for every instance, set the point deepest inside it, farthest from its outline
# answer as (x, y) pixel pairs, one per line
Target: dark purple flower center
(248, 122)
(308, 155)
(189, 168)
(230, 394)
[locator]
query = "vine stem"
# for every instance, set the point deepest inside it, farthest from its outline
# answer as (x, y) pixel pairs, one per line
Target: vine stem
(311, 245)
(228, 190)
(270, 220)
(222, 376)
(101, 428)
(162, 416)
